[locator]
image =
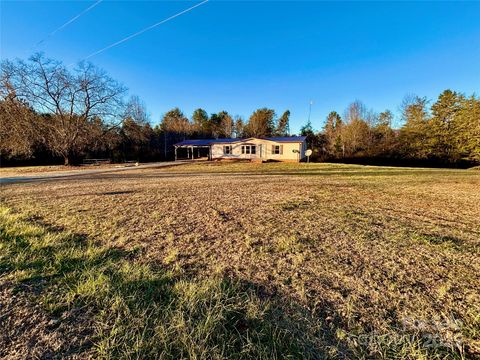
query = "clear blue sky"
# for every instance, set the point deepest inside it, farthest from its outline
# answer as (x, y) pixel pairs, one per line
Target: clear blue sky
(239, 56)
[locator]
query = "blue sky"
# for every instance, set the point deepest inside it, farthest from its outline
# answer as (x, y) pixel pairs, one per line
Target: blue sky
(242, 55)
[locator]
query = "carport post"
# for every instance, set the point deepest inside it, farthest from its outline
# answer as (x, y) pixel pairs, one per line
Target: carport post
(175, 153)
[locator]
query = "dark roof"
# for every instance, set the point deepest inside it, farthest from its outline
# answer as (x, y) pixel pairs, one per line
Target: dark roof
(204, 142)
(207, 142)
(287, 139)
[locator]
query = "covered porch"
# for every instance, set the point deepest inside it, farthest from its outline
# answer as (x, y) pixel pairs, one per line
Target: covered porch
(192, 149)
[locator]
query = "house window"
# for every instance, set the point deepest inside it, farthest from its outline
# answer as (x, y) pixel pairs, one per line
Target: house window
(249, 149)
(227, 149)
(277, 149)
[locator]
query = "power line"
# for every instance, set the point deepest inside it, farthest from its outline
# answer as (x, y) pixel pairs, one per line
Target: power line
(144, 30)
(69, 22)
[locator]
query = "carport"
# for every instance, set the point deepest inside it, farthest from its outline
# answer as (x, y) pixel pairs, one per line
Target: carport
(194, 148)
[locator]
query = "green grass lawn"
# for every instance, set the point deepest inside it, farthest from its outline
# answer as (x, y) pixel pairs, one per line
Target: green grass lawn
(239, 260)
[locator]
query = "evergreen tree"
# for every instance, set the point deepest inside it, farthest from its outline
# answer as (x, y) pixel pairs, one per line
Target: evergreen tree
(441, 132)
(135, 138)
(200, 123)
(174, 121)
(466, 129)
(261, 123)
(384, 137)
(215, 123)
(283, 126)
(175, 127)
(414, 133)
(226, 125)
(239, 127)
(333, 134)
(307, 129)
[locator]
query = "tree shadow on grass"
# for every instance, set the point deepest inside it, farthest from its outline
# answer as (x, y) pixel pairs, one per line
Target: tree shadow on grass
(266, 172)
(127, 308)
(140, 310)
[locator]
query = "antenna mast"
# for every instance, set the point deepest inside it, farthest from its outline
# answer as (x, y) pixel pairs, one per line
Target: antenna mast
(310, 111)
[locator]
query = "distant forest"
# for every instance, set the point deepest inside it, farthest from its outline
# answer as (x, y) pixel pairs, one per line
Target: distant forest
(50, 113)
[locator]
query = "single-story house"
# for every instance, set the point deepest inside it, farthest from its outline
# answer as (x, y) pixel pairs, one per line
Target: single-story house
(288, 148)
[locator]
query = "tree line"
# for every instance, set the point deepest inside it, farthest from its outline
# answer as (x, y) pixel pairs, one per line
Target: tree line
(175, 126)
(447, 132)
(50, 112)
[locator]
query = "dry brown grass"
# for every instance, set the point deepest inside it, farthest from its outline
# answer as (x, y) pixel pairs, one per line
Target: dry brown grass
(386, 260)
(47, 169)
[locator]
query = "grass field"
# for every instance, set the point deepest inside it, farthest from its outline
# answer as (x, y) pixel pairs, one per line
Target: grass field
(41, 170)
(240, 260)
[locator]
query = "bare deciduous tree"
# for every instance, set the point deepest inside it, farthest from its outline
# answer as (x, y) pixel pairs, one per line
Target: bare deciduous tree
(356, 132)
(136, 111)
(73, 101)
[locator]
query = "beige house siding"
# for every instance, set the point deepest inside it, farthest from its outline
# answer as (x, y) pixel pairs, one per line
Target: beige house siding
(291, 151)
